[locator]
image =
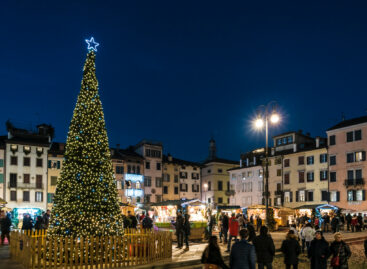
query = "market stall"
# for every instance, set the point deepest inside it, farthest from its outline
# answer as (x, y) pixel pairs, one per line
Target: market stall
(126, 207)
(316, 211)
(260, 210)
(18, 215)
(165, 216)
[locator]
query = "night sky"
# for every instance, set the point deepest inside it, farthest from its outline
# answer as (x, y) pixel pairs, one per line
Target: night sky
(182, 71)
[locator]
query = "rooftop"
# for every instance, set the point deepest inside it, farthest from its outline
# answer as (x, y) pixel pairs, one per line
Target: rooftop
(350, 122)
(166, 159)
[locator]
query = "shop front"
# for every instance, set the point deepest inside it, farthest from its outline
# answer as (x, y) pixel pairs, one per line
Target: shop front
(18, 215)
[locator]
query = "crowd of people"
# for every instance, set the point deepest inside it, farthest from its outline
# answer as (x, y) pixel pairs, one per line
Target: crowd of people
(251, 249)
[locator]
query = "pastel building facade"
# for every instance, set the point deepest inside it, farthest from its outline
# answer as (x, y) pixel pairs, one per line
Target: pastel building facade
(347, 144)
(54, 166)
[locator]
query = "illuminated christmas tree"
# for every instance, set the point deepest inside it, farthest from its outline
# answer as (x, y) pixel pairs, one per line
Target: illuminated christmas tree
(85, 202)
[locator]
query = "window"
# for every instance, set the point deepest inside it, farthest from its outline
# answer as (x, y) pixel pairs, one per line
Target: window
(279, 172)
(310, 196)
(158, 182)
(358, 173)
(165, 189)
(360, 156)
(50, 197)
(286, 178)
(176, 179)
(286, 163)
(349, 136)
(220, 170)
(334, 196)
(356, 195)
(26, 161)
(358, 135)
(278, 161)
(13, 160)
(350, 174)
(332, 176)
(323, 158)
(310, 160)
(183, 175)
(183, 187)
(39, 181)
(350, 157)
(25, 196)
(39, 196)
(166, 177)
(249, 173)
(39, 162)
(301, 160)
(195, 175)
(209, 171)
(324, 196)
(301, 176)
(176, 190)
(331, 140)
(13, 180)
(26, 178)
(147, 198)
(284, 140)
(220, 185)
(147, 181)
(158, 198)
(287, 197)
(138, 171)
(147, 165)
(333, 160)
(195, 188)
(310, 176)
(119, 170)
(158, 166)
(220, 200)
(53, 181)
(323, 175)
(13, 195)
(209, 185)
(1, 163)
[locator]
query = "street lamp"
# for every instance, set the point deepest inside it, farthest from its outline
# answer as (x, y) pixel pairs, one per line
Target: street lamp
(264, 114)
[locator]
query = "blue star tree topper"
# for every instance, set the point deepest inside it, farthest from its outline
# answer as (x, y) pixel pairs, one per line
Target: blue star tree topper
(92, 45)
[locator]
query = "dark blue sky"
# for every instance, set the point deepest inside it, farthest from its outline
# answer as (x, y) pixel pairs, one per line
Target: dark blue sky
(180, 71)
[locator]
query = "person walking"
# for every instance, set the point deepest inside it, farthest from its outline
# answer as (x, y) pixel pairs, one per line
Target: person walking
(359, 222)
(186, 230)
(5, 224)
(348, 218)
(251, 233)
(241, 221)
(301, 235)
(179, 229)
(259, 223)
(308, 233)
(211, 257)
(147, 222)
(233, 230)
(265, 249)
(291, 250)
(133, 220)
(224, 228)
(38, 224)
(335, 224)
(319, 252)
(354, 223)
(243, 254)
(340, 251)
(46, 219)
(211, 224)
(27, 222)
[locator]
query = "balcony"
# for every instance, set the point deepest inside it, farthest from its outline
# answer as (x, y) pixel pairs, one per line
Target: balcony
(230, 193)
(354, 182)
(278, 192)
(21, 185)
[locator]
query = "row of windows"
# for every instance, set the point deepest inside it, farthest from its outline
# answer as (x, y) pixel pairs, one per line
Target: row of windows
(148, 181)
(248, 174)
(310, 160)
(284, 140)
(26, 149)
(153, 153)
(131, 169)
(13, 183)
(183, 188)
(219, 170)
(220, 200)
(350, 137)
(158, 166)
(158, 198)
(351, 157)
(26, 161)
(26, 196)
(220, 185)
(310, 176)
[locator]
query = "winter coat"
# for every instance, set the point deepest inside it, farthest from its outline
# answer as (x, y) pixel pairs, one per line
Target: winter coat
(319, 252)
(39, 223)
(334, 222)
(147, 222)
(133, 221)
(233, 226)
(225, 222)
(211, 255)
(179, 224)
(308, 234)
(251, 232)
(291, 249)
(265, 249)
(45, 221)
(186, 226)
(344, 252)
(5, 224)
(349, 218)
(242, 255)
(27, 224)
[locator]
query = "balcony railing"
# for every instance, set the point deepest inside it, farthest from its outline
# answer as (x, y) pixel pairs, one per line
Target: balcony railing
(354, 182)
(21, 185)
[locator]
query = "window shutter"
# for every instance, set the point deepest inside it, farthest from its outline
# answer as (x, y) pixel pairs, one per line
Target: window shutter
(296, 196)
(186, 187)
(49, 164)
(363, 155)
(363, 195)
(291, 196)
(306, 198)
(58, 164)
(354, 195)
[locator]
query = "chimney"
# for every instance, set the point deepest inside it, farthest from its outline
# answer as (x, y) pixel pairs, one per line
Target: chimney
(117, 146)
(317, 141)
(254, 160)
(294, 147)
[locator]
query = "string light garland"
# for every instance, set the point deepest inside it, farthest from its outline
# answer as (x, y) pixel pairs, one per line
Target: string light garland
(85, 202)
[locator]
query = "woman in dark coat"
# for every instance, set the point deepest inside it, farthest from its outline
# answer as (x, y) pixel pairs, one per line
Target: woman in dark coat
(251, 233)
(212, 255)
(264, 247)
(291, 249)
(187, 230)
(341, 249)
(319, 252)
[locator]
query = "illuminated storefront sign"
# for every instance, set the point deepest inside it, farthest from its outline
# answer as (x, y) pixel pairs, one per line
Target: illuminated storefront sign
(134, 177)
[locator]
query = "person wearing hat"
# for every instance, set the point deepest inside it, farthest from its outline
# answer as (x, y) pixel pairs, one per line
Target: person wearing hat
(319, 252)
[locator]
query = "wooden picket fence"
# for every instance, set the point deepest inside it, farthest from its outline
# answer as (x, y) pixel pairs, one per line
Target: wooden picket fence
(136, 247)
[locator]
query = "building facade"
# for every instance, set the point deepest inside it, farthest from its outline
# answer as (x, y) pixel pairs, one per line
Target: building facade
(153, 185)
(2, 168)
(54, 166)
(247, 180)
(347, 142)
(26, 167)
(181, 179)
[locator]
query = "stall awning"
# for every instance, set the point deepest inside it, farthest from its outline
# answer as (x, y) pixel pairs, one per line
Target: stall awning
(174, 202)
(2, 202)
(309, 206)
(224, 207)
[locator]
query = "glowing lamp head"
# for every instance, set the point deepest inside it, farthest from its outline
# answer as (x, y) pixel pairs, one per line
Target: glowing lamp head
(259, 123)
(205, 186)
(274, 118)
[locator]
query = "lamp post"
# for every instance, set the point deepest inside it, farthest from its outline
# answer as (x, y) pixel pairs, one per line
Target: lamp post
(264, 114)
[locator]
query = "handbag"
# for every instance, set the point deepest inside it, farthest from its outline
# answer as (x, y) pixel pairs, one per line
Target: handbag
(335, 260)
(210, 266)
